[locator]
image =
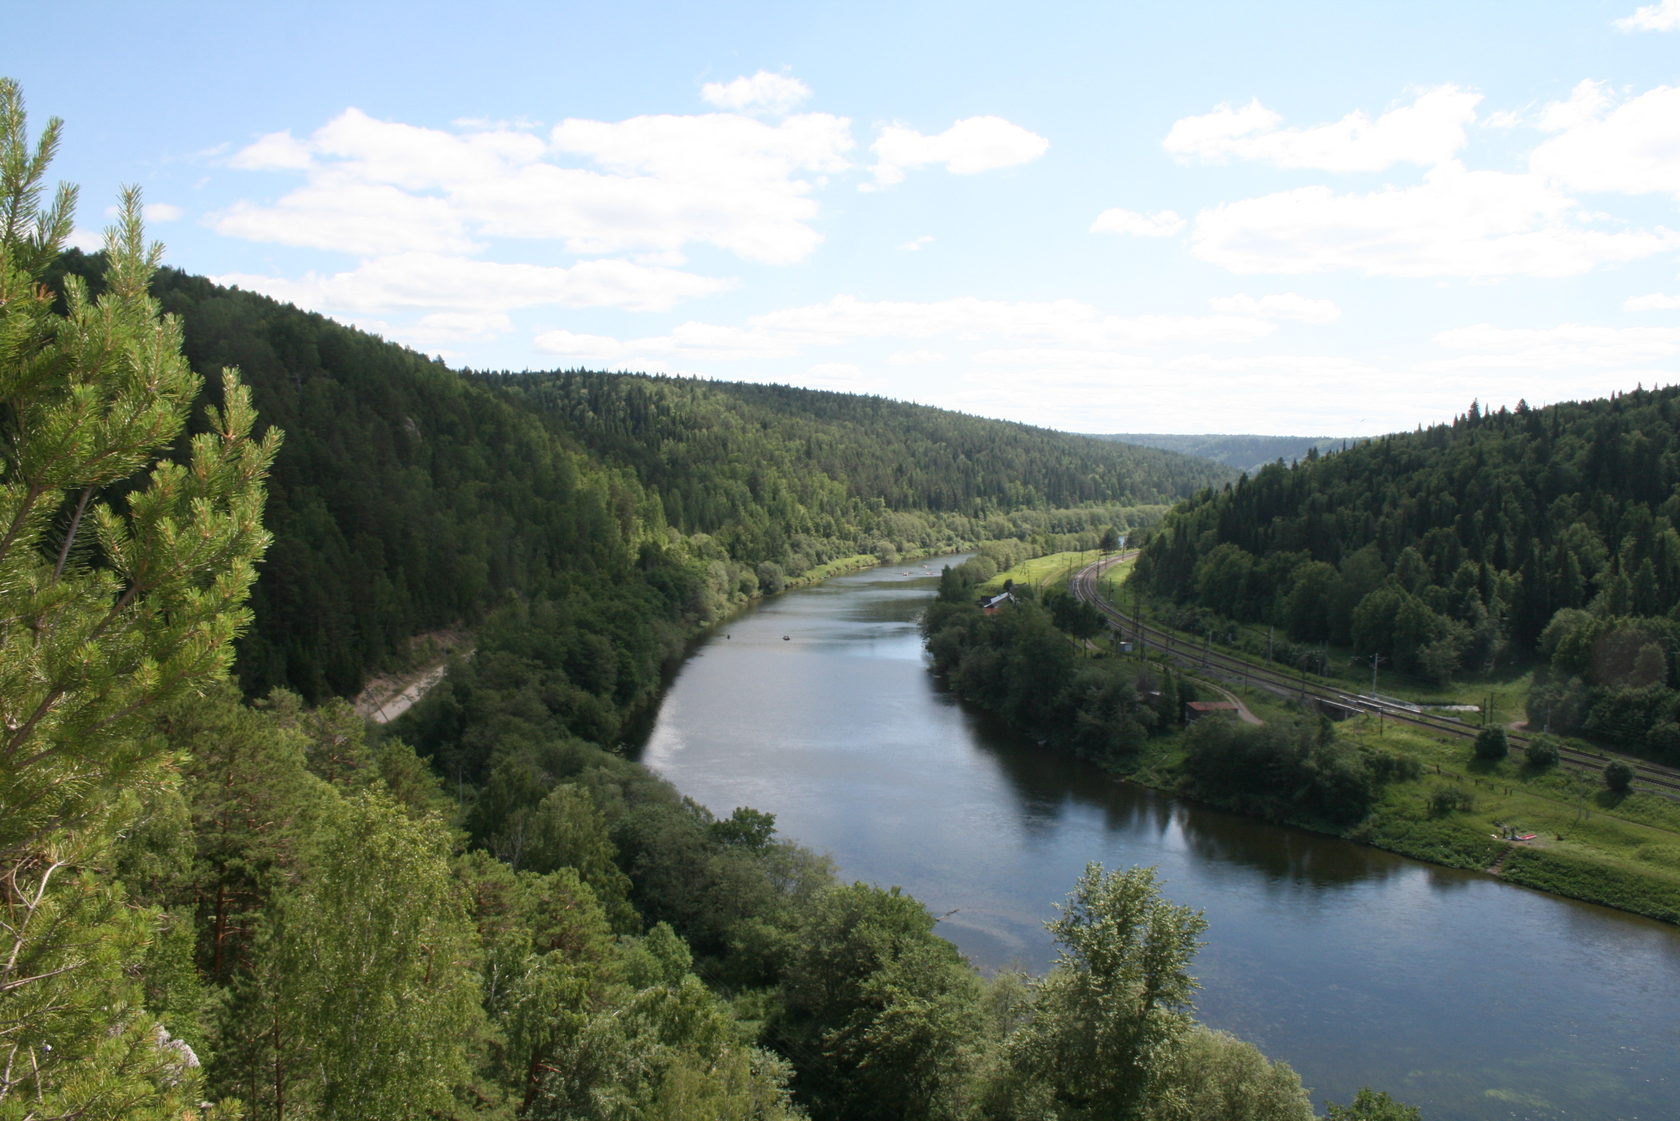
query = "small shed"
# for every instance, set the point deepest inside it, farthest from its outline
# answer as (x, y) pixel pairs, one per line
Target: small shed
(1195, 710)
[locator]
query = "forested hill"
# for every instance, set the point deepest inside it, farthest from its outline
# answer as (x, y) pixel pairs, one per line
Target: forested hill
(682, 434)
(1241, 453)
(409, 497)
(1539, 532)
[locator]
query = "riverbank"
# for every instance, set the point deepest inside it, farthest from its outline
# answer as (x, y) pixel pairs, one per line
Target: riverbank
(1588, 843)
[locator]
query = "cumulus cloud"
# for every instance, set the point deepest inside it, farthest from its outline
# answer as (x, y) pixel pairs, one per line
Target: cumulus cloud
(917, 244)
(1661, 16)
(648, 184)
(162, 212)
(1655, 301)
(765, 92)
(351, 217)
(1426, 132)
(1457, 223)
(1633, 148)
(1279, 305)
(1162, 223)
(970, 146)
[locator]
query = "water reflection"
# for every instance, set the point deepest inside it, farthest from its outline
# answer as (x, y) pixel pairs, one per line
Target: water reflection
(1455, 991)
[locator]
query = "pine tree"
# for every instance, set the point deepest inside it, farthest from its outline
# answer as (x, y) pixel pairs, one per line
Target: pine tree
(123, 577)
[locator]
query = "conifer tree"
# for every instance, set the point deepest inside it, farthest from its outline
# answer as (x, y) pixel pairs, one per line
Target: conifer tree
(123, 577)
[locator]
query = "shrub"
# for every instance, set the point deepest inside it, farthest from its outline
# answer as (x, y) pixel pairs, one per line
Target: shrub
(1492, 744)
(1541, 752)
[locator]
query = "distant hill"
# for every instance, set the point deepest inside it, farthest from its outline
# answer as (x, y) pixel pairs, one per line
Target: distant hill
(1534, 534)
(409, 497)
(1245, 453)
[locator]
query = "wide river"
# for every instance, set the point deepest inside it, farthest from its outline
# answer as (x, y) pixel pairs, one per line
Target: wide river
(1469, 997)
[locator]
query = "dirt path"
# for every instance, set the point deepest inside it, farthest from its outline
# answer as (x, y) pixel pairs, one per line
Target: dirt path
(379, 704)
(1243, 713)
(388, 696)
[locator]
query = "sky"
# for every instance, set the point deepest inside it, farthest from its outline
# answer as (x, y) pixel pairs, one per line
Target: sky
(1302, 218)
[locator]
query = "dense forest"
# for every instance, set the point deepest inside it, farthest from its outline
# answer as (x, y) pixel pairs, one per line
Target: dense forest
(221, 897)
(1546, 534)
(410, 497)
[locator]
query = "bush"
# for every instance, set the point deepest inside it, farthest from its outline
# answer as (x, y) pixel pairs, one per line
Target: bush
(1492, 744)
(1618, 777)
(1541, 752)
(1444, 800)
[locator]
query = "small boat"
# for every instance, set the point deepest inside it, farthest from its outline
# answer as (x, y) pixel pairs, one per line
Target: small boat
(785, 638)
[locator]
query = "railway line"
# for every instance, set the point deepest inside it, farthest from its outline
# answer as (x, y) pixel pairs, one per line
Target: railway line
(1206, 658)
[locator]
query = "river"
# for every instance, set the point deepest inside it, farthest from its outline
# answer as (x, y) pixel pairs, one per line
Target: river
(1469, 997)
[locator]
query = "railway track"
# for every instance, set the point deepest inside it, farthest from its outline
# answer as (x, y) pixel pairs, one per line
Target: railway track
(1206, 658)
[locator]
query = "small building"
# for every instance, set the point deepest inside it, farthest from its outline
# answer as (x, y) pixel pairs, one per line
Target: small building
(991, 604)
(1195, 710)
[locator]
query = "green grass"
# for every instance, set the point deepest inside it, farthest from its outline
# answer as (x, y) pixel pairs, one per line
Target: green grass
(1050, 570)
(1591, 845)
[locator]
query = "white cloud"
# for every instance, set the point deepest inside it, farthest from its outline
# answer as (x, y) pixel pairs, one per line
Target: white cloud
(1426, 132)
(1661, 16)
(916, 244)
(1162, 223)
(1471, 224)
(1655, 301)
(365, 219)
(431, 280)
(1279, 305)
(776, 94)
(581, 348)
(277, 151)
(970, 146)
(1632, 149)
(1551, 348)
(1214, 136)
(657, 184)
(1587, 102)
(161, 212)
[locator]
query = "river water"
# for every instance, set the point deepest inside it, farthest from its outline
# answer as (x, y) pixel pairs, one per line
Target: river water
(1471, 998)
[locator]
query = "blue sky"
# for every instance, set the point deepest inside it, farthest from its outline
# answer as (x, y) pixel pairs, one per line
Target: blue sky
(1293, 218)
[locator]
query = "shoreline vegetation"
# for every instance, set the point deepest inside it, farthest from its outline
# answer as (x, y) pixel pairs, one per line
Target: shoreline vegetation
(1545, 825)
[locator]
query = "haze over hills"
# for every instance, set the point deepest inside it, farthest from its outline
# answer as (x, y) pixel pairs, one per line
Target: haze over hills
(1244, 453)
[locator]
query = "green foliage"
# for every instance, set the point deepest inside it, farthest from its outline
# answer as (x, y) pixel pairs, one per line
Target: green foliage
(1448, 548)
(1618, 777)
(1212, 1074)
(1108, 1019)
(1492, 744)
(1450, 799)
(364, 995)
(1541, 752)
(879, 1014)
(1287, 770)
(123, 575)
(1018, 664)
(1370, 1105)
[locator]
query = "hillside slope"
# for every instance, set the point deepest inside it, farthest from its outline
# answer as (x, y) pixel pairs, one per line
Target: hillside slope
(1546, 533)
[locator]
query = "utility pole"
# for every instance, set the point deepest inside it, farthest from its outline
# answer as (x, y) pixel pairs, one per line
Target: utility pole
(1376, 660)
